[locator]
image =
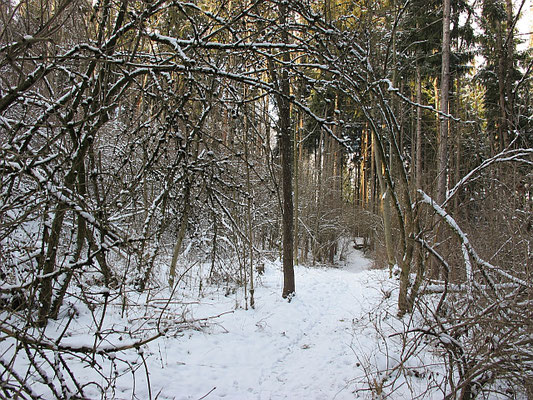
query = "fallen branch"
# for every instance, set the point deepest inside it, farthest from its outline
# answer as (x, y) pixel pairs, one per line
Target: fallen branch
(85, 349)
(482, 264)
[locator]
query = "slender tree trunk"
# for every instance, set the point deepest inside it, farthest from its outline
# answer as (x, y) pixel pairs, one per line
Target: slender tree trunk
(249, 209)
(372, 196)
(181, 233)
(386, 211)
(458, 153)
(442, 161)
(286, 163)
(80, 240)
(418, 162)
(45, 295)
(297, 149)
(363, 178)
(509, 67)
(319, 154)
(102, 214)
(502, 128)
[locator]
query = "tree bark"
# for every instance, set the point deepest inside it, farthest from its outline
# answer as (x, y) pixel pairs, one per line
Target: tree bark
(502, 128)
(181, 232)
(297, 149)
(442, 172)
(418, 162)
(286, 163)
(385, 200)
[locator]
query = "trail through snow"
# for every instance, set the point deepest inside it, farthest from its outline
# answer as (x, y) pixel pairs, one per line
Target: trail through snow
(305, 349)
(339, 338)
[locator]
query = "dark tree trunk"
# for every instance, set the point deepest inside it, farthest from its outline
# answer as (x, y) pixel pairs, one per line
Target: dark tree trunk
(442, 169)
(286, 164)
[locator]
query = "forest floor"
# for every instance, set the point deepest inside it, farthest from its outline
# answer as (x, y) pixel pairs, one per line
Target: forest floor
(334, 340)
(305, 349)
(329, 342)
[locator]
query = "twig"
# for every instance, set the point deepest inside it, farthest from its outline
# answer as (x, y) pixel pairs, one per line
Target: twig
(207, 394)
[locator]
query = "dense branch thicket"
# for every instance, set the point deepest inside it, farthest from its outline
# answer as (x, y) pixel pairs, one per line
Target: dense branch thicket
(140, 141)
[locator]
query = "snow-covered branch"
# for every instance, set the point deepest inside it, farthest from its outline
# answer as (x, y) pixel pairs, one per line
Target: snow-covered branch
(469, 250)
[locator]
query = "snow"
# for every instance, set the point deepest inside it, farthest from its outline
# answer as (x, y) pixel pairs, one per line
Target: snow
(334, 340)
(280, 350)
(321, 345)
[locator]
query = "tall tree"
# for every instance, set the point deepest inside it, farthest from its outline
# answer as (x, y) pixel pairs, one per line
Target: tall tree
(499, 74)
(442, 160)
(285, 142)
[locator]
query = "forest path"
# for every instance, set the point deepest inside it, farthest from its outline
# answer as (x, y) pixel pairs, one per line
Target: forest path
(306, 349)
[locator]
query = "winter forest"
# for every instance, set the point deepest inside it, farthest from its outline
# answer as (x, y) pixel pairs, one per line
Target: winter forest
(266, 199)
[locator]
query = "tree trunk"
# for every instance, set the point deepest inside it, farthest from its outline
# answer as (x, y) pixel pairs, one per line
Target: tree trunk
(385, 200)
(319, 154)
(181, 233)
(418, 162)
(249, 208)
(502, 128)
(286, 163)
(442, 173)
(296, 186)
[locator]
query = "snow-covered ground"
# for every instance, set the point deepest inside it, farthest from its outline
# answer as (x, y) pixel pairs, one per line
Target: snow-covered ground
(334, 340)
(298, 350)
(322, 345)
